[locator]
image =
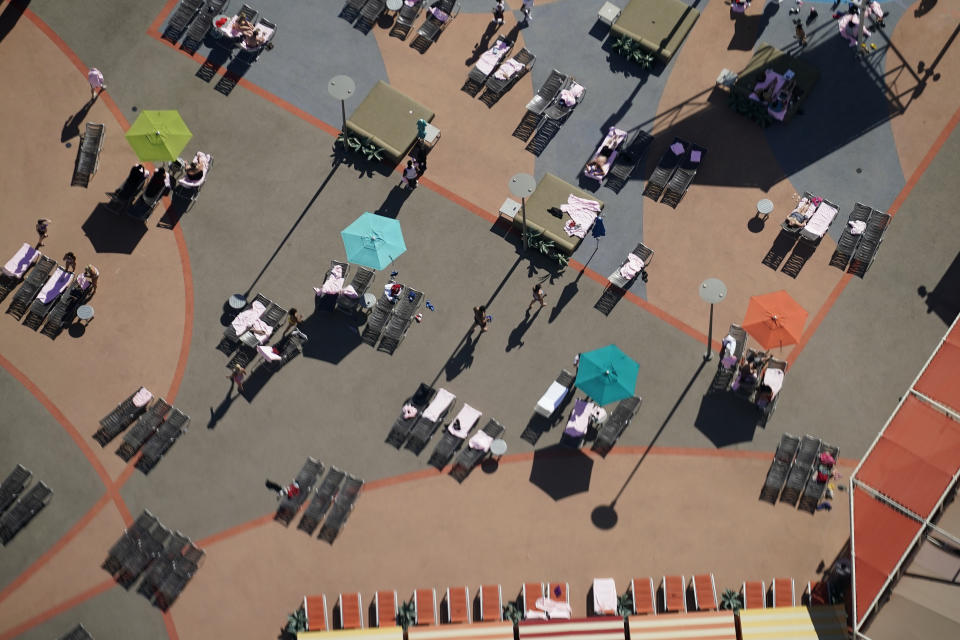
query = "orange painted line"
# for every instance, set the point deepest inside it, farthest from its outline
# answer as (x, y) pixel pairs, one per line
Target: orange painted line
(454, 198)
(171, 627)
(237, 530)
(187, 312)
(53, 612)
(57, 546)
(897, 203)
(164, 12)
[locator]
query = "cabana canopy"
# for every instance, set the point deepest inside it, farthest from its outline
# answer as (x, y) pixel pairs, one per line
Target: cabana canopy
(382, 633)
(718, 625)
(475, 631)
(583, 629)
(796, 623)
(389, 119)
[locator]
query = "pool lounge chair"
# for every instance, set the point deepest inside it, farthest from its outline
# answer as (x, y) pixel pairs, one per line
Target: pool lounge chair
(779, 467)
(148, 548)
(112, 424)
(201, 25)
(167, 434)
(869, 244)
(377, 320)
(23, 511)
(644, 596)
(402, 425)
(491, 602)
(16, 267)
(88, 154)
(400, 321)
(604, 597)
(430, 418)
(807, 196)
(164, 565)
(477, 448)
(556, 114)
(773, 375)
(783, 593)
(631, 155)
(306, 478)
(63, 312)
(753, 594)
(407, 15)
(556, 393)
(35, 280)
(350, 610)
(488, 63)
(457, 605)
(385, 608)
(342, 507)
(801, 469)
(347, 303)
(704, 589)
(142, 527)
(611, 144)
(683, 177)
(180, 19)
(321, 501)
(530, 592)
(611, 430)
(289, 347)
(814, 489)
(819, 223)
(560, 592)
(13, 485)
(351, 9)
(545, 95)
(315, 608)
(369, 14)
(634, 265)
(425, 610)
(674, 594)
(143, 430)
(847, 244)
(48, 296)
(727, 365)
(176, 582)
(507, 75)
(665, 168)
(438, 17)
(454, 435)
(253, 311)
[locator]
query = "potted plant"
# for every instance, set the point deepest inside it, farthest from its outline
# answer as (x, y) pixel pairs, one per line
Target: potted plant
(730, 600)
(512, 612)
(407, 614)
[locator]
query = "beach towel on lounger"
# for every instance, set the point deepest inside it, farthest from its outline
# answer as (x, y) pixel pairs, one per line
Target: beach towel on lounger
(571, 96)
(55, 286)
(821, 219)
(579, 419)
(492, 56)
(631, 267)
(21, 260)
(142, 397)
(604, 596)
(439, 404)
(261, 329)
(481, 441)
(333, 283)
(246, 318)
(466, 418)
(553, 608)
(507, 69)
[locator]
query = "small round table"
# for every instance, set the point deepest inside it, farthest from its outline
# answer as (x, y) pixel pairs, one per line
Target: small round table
(498, 447)
(85, 313)
(237, 301)
(394, 5)
(764, 208)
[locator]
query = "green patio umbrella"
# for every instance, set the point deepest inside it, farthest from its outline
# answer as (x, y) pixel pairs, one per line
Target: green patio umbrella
(158, 136)
(607, 375)
(373, 241)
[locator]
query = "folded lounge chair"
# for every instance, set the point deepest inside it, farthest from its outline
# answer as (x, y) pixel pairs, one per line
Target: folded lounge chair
(801, 469)
(783, 593)
(407, 419)
(491, 602)
(869, 244)
(112, 424)
(489, 61)
(847, 244)
(385, 608)
(143, 430)
(704, 592)
(611, 430)
(683, 177)
(13, 485)
(400, 320)
(674, 594)
(607, 150)
(458, 605)
(644, 596)
(342, 506)
(47, 297)
(350, 296)
(779, 467)
(157, 446)
(23, 511)
(430, 419)
(556, 393)
(604, 597)
(665, 168)
(454, 435)
(180, 19)
(16, 267)
(753, 594)
(546, 94)
(507, 75)
(425, 607)
(35, 280)
(306, 478)
(321, 501)
(408, 14)
(350, 611)
(477, 448)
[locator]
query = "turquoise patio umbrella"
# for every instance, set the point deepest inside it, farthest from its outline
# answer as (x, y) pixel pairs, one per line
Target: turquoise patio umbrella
(158, 136)
(607, 375)
(373, 241)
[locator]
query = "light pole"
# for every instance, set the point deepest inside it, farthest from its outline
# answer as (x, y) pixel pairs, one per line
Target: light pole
(713, 291)
(341, 88)
(522, 185)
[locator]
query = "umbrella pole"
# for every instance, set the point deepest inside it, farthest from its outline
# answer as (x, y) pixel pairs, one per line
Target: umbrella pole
(709, 354)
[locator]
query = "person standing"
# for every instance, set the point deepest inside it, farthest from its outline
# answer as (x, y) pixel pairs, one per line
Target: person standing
(293, 319)
(69, 262)
(42, 228)
(236, 377)
(97, 86)
(527, 9)
(480, 318)
(498, 12)
(538, 296)
(409, 178)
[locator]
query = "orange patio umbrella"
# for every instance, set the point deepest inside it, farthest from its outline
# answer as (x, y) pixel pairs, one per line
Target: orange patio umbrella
(774, 319)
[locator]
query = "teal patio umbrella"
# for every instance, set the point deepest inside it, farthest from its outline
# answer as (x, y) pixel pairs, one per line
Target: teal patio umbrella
(158, 136)
(373, 241)
(607, 374)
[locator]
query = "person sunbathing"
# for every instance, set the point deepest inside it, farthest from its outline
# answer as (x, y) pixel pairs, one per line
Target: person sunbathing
(254, 39)
(243, 26)
(596, 166)
(799, 216)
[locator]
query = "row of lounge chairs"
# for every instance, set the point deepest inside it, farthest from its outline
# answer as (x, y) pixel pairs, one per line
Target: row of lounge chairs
(16, 510)
(437, 18)
(193, 20)
(493, 60)
(800, 234)
(799, 471)
(763, 391)
(333, 499)
(154, 431)
(548, 110)
(252, 327)
(88, 154)
(167, 560)
(365, 13)
(635, 264)
(856, 252)
(389, 320)
(675, 172)
(347, 298)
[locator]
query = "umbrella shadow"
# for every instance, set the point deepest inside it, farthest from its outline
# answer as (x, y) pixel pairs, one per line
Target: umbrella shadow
(395, 199)
(726, 419)
(112, 233)
(561, 472)
(336, 337)
(71, 128)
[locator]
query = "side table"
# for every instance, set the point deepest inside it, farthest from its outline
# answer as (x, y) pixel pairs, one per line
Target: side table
(498, 447)
(85, 313)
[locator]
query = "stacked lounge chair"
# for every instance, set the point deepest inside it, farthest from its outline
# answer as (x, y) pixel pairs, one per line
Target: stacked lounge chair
(454, 435)
(378, 320)
(180, 19)
(779, 468)
(801, 469)
(400, 321)
(13, 485)
(47, 297)
(869, 244)
(429, 420)
(507, 75)
(611, 430)
(369, 14)
(545, 96)
(88, 154)
(847, 244)
(148, 549)
(814, 489)
(477, 448)
(141, 528)
(342, 506)
(683, 177)
(483, 69)
(168, 433)
(16, 268)
(23, 511)
(362, 279)
(112, 424)
(406, 16)
(665, 168)
(184, 569)
(163, 565)
(35, 279)
(321, 501)
(143, 430)
(305, 479)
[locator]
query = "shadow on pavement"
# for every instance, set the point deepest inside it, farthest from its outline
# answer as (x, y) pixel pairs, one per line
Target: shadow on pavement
(339, 337)
(112, 233)
(71, 128)
(944, 299)
(726, 418)
(11, 15)
(561, 472)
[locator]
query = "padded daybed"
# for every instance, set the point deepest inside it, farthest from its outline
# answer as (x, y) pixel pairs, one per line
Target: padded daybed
(385, 117)
(552, 192)
(658, 25)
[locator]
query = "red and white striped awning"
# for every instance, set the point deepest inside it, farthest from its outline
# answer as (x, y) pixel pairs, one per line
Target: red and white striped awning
(713, 625)
(609, 628)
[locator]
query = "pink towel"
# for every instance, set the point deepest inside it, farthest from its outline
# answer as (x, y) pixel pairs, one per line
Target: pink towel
(261, 329)
(142, 397)
(553, 608)
(408, 411)
(582, 214)
(269, 354)
(246, 318)
(631, 267)
(334, 281)
(350, 292)
(440, 403)
(571, 96)
(507, 69)
(480, 441)
(492, 56)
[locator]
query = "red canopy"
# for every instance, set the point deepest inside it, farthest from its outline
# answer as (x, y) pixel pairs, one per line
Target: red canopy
(939, 380)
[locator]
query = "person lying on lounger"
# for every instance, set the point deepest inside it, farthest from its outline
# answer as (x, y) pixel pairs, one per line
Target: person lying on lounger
(596, 165)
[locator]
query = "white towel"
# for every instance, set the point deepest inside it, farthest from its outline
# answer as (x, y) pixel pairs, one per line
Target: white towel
(463, 423)
(21, 260)
(857, 227)
(142, 397)
(440, 404)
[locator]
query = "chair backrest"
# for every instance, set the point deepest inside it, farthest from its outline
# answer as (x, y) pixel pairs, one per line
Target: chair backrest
(248, 12)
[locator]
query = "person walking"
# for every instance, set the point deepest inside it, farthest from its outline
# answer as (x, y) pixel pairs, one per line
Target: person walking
(538, 296)
(480, 318)
(293, 319)
(97, 86)
(498, 12)
(42, 228)
(409, 179)
(527, 8)
(236, 377)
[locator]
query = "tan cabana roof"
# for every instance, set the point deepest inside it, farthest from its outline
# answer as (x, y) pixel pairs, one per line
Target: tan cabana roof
(795, 623)
(715, 625)
(382, 633)
(389, 118)
(475, 631)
